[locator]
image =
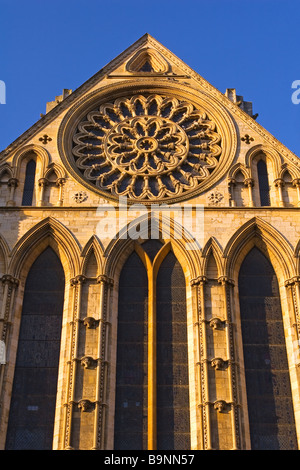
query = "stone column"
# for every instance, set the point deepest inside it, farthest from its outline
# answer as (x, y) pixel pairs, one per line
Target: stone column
(203, 363)
(60, 183)
(231, 185)
(102, 369)
(249, 182)
(12, 184)
(228, 286)
(296, 182)
(76, 283)
(279, 183)
(10, 285)
(293, 286)
(42, 183)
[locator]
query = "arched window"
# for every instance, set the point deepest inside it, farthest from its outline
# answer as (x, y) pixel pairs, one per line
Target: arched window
(263, 183)
(270, 406)
(131, 375)
(32, 410)
(152, 387)
(173, 423)
(29, 183)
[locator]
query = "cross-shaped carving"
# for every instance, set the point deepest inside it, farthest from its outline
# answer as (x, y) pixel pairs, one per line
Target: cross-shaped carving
(45, 139)
(247, 139)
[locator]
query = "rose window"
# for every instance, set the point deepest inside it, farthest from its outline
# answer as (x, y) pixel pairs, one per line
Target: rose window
(147, 148)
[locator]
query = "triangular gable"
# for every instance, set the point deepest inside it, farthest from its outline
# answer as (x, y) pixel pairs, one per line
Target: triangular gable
(148, 57)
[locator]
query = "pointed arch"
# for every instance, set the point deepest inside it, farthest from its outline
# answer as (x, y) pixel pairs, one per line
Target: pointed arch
(147, 60)
(24, 152)
(5, 252)
(264, 325)
(267, 152)
(297, 256)
(36, 331)
(291, 169)
(212, 248)
(239, 167)
(6, 169)
(186, 252)
(55, 168)
(47, 232)
(257, 232)
(94, 246)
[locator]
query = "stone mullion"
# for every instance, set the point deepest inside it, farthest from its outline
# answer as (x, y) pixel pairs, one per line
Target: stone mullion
(102, 372)
(12, 184)
(105, 346)
(199, 349)
(72, 362)
(232, 365)
(296, 183)
(249, 182)
(231, 186)
(279, 183)
(10, 286)
(293, 287)
(60, 183)
(203, 363)
(43, 182)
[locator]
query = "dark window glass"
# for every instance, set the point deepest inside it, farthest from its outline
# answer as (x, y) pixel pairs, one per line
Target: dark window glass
(270, 405)
(173, 423)
(263, 182)
(131, 377)
(147, 67)
(33, 400)
(152, 247)
(29, 183)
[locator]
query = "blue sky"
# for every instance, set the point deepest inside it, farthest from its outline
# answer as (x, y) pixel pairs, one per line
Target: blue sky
(252, 46)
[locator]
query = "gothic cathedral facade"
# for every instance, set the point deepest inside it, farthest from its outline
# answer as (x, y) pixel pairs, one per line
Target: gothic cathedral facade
(150, 268)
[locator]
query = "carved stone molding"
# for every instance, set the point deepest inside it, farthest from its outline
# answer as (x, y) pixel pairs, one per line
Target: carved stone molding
(218, 363)
(198, 281)
(292, 281)
(216, 323)
(88, 362)
(102, 278)
(9, 279)
(60, 181)
(90, 322)
(86, 405)
(80, 197)
(45, 139)
(220, 406)
(13, 182)
(215, 197)
(247, 139)
(225, 280)
(279, 183)
(249, 182)
(77, 280)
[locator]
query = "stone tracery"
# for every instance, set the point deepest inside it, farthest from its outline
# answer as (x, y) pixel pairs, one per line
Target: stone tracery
(147, 147)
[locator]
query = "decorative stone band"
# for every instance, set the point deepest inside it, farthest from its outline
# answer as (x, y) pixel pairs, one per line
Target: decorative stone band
(9, 279)
(292, 281)
(219, 405)
(102, 278)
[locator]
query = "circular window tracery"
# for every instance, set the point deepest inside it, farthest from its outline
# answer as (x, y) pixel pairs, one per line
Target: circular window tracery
(148, 147)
